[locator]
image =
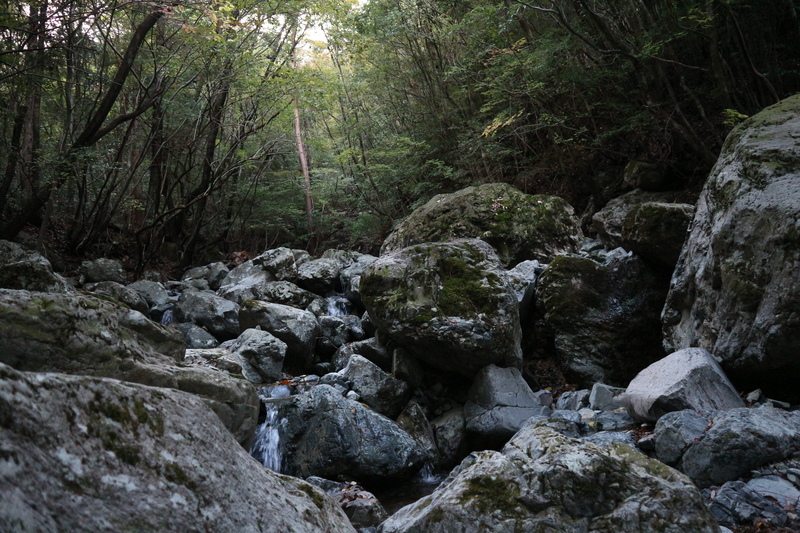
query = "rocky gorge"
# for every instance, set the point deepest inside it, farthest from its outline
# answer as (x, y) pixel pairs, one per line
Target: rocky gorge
(632, 371)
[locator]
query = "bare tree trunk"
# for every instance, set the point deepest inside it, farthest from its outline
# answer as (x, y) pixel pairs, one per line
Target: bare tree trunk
(301, 151)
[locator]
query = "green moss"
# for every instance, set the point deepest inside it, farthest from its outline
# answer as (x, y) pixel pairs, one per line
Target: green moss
(315, 496)
(128, 453)
(436, 515)
(174, 473)
(489, 494)
(570, 287)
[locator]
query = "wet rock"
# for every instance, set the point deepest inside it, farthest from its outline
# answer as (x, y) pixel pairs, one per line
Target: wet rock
(370, 349)
(350, 276)
(336, 331)
(450, 432)
(361, 506)
(522, 279)
(196, 337)
(213, 274)
(414, 422)
(319, 275)
(87, 454)
(282, 263)
(153, 292)
(449, 304)
(517, 225)
(380, 391)
(285, 293)
(687, 379)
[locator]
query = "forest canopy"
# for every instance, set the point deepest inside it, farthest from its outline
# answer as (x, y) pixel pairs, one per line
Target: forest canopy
(184, 131)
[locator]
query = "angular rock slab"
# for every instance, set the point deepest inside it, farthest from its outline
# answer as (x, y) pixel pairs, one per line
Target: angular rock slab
(519, 226)
(218, 315)
(733, 442)
(86, 454)
(448, 303)
(545, 481)
(296, 327)
(736, 288)
(383, 393)
(605, 317)
(327, 435)
(261, 355)
(499, 402)
(687, 379)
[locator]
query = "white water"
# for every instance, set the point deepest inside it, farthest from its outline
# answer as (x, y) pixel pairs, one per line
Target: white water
(266, 447)
(167, 318)
(428, 476)
(337, 306)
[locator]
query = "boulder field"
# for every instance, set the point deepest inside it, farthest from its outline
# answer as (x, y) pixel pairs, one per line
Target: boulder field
(638, 374)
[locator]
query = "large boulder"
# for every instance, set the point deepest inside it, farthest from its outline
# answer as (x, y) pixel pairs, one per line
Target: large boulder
(213, 274)
(216, 314)
(383, 393)
(729, 444)
(120, 293)
(448, 303)
(736, 289)
(545, 481)
(320, 276)
(499, 402)
(327, 435)
(85, 454)
(153, 292)
(687, 379)
(261, 355)
(604, 316)
(286, 293)
(81, 334)
(519, 226)
(102, 269)
(28, 270)
(297, 328)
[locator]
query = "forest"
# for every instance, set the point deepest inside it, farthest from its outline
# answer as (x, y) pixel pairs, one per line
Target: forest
(171, 133)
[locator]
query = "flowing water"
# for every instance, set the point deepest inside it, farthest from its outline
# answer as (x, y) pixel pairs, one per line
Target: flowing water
(338, 306)
(167, 318)
(267, 445)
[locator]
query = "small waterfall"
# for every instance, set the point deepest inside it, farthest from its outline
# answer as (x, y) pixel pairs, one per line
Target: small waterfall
(167, 318)
(429, 476)
(266, 447)
(338, 306)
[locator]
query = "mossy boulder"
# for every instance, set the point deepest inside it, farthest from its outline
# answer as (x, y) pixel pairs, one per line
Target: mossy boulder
(545, 481)
(28, 270)
(87, 335)
(519, 226)
(85, 454)
(449, 304)
(736, 288)
(605, 317)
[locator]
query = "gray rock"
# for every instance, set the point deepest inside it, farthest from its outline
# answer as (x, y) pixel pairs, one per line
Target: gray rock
(607, 438)
(545, 481)
(736, 288)
(102, 269)
(519, 226)
(380, 391)
(285, 293)
(414, 422)
(605, 317)
(350, 276)
(687, 379)
(86, 454)
(361, 506)
(336, 331)
(218, 316)
(618, 420)
(676, 431)
(574, 400)
(776, 488)
(28, 270)
(282, 263)
(449, 304)
(522, 279)
(608, 222)
(260, 354)
(218, 358)
(370, 349)
(734, 442)
(319, 276)
(153, 292)
(81, 334)
(736, 504)
(327, 435)
(196, 337)
(296, 327)
(499, 402)
(656, 231)
(450, 432)
(120, 293)
(213, 274)
(605, 397)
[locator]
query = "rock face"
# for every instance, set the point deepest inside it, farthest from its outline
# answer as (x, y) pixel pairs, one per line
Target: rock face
(545, 481)
(28, 270)
(736, 288)
(385, 394)
(81, 334)
(726, 445)
(605, 317)
(120, 293)
(86, 454)
(326, 435)
(260, 354)
(517, 225)
(218, 315)
(687, 379)
(448, 303)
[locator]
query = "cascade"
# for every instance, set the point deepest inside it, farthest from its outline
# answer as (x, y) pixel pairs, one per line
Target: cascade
(266, 447)
(167, 318)
(338, 306)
